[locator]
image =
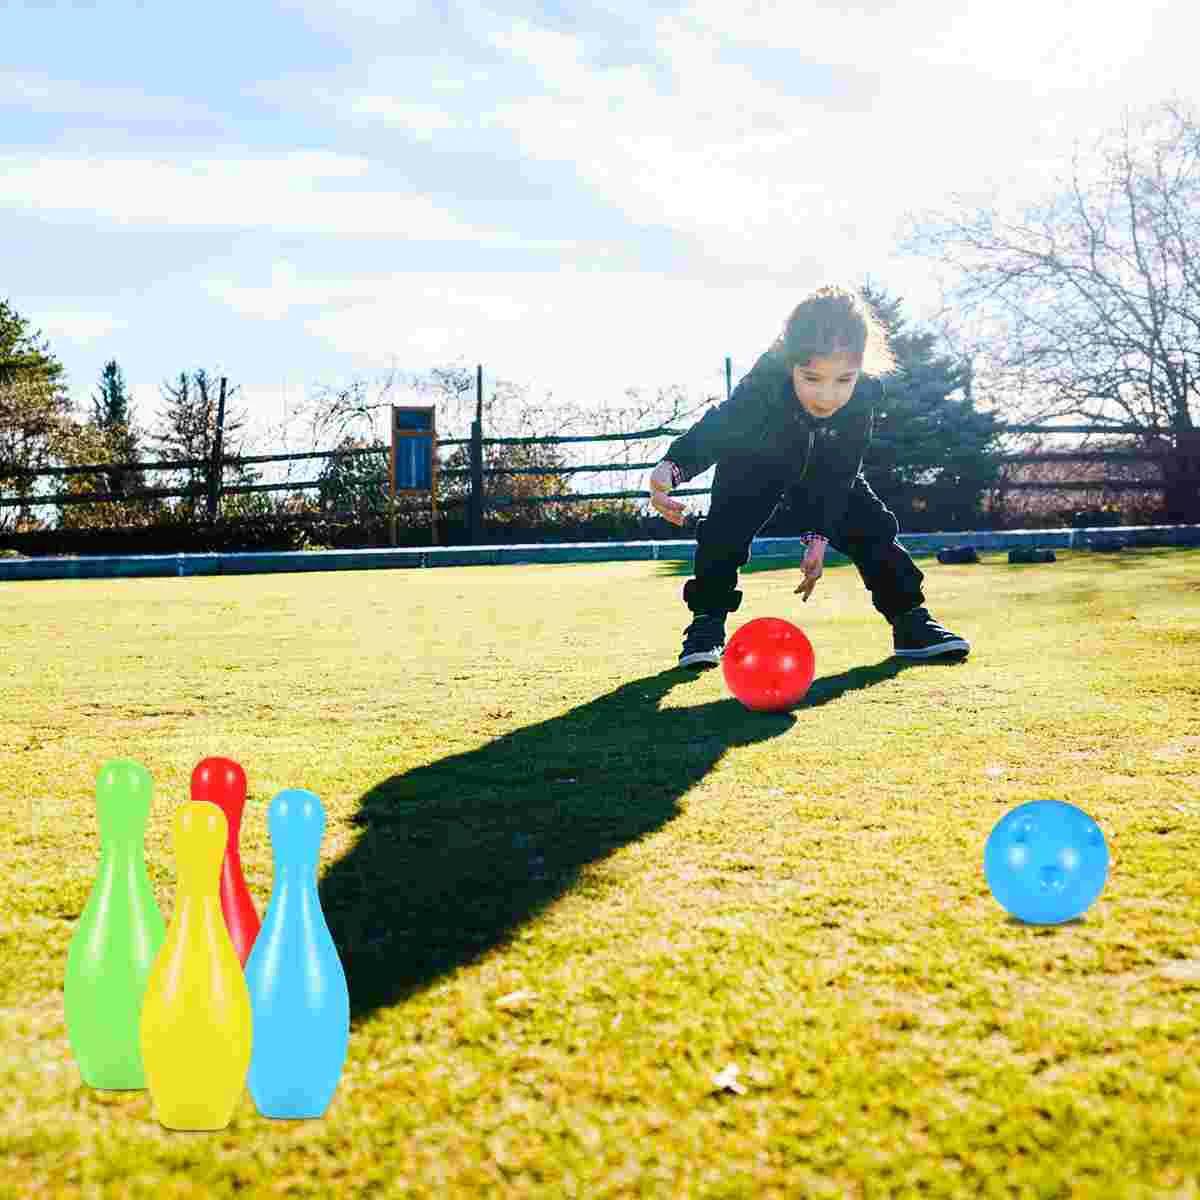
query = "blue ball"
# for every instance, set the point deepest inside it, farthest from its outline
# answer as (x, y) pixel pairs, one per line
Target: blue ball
(1046, 861)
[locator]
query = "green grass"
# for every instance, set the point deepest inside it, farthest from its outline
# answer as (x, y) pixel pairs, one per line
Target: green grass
(524, 795)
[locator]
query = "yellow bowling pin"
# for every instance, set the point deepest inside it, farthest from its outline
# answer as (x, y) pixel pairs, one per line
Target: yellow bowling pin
(196, 1020)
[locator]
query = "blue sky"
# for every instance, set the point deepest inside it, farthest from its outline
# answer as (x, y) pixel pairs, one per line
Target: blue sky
(585, 199)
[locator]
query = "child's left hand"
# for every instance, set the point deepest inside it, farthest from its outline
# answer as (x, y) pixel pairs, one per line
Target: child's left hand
(812, 566)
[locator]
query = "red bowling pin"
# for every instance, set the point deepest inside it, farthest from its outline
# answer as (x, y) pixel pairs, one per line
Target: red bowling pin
(222, 782)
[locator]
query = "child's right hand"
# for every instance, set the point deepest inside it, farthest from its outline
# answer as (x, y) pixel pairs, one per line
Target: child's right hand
(660, 486)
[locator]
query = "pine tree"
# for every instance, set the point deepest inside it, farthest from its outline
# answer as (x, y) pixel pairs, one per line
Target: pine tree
(111, 408)
(933, 453)
(35, 412)
(189, 429)
(113, 421)
(22, 357)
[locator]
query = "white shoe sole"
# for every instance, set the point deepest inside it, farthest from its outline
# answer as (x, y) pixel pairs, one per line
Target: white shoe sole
(701, 658)
(957, 646)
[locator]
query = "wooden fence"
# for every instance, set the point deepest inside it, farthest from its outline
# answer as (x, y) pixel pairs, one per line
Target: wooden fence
(1187, 458)
(215, 486)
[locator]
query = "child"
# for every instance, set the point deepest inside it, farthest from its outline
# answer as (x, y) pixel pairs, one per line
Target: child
(796, 429)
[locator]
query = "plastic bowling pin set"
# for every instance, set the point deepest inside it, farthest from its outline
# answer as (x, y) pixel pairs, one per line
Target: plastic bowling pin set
(195, 1010)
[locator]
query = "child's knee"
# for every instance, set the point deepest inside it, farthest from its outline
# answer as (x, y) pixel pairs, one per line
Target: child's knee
(701, 596)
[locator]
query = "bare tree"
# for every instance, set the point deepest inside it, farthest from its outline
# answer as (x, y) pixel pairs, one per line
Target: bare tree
(1089, 307)
(354, 411)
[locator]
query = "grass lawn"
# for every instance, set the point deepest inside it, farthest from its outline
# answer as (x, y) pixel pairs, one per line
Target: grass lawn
(571, 884)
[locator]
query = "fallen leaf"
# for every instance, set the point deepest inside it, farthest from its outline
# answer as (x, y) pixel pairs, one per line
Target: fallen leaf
(521, 999)
(726, 1080)
(1186, 969)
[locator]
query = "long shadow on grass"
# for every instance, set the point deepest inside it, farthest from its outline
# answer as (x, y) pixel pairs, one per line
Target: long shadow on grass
(457, 855)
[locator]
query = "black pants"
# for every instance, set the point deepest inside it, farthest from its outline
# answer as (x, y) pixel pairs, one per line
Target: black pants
(745, 496)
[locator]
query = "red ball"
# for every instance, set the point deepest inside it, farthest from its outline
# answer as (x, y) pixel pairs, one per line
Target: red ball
(769, 664)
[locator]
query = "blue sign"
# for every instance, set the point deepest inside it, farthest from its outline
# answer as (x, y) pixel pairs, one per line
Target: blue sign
(412, 418)
(412, 437)
(413, 464)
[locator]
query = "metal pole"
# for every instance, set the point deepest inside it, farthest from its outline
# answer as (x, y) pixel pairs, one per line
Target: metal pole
(728, 377)
(214, 470)
(392, 483)
(433, 480)
(477, 461)
(1191, 464)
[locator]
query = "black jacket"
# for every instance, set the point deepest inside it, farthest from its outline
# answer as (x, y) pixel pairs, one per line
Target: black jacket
(818, 458)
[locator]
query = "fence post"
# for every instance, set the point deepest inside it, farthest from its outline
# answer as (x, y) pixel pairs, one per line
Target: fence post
(728, 377)
(1191, 464)
(476, 512)
(214, 469)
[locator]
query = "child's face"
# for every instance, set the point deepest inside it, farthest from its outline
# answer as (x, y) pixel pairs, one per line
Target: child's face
(824, 384)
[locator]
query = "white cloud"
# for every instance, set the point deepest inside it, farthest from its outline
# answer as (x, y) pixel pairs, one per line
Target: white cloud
(290, 193)
(717, 162)
(399, 14)
(737, 163)
(1055, 45)
(81, 327)
(285, 292)
(967, 101)
(1061, 44)
(581, 333)
(424, 121)
(37, 92)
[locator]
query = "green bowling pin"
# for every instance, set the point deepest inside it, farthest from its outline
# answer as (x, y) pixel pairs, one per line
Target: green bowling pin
(118, 935)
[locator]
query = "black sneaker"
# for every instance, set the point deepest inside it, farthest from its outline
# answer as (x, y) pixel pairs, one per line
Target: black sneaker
(918, 635)
(703, 641)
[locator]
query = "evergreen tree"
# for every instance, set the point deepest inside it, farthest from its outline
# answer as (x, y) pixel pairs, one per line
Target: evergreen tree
(112, 419)
(932, 455)
(22, 357)
(110, 409)
(356, 484)
(188, 427)
(35, 412)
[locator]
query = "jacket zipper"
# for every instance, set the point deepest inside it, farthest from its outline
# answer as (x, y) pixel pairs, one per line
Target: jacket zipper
(812, 433)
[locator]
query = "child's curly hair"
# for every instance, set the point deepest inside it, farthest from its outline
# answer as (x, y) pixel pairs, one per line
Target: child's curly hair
(836, 320)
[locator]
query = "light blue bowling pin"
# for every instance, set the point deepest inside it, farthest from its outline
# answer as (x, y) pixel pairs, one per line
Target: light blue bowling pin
(298, 994)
